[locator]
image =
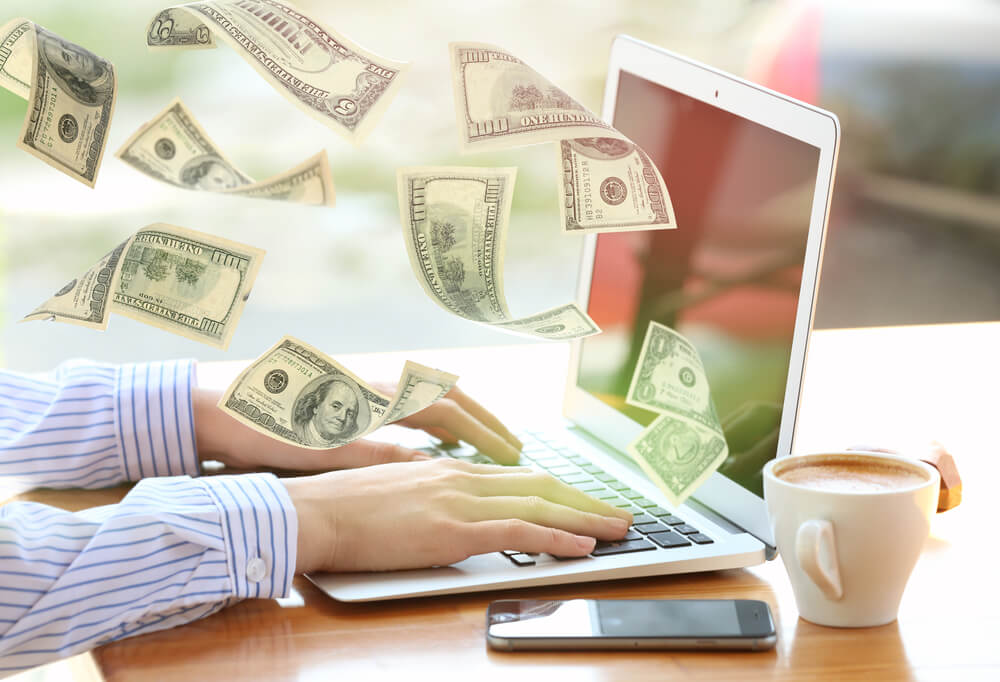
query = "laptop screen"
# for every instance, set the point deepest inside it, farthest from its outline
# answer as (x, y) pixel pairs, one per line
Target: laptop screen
(727, 278)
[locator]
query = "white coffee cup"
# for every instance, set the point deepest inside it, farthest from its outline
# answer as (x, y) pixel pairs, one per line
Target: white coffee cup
(849, 527)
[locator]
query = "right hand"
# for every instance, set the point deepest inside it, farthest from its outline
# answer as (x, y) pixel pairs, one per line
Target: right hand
(435, 513)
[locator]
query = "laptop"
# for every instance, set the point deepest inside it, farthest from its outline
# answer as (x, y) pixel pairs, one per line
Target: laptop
(750, 173)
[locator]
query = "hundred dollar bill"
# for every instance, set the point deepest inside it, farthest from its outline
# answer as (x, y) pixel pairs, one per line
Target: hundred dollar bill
(182, 281)
(324, 74)
(174, 148)
(71, 94)
(84, 301)
(686, 443)
(455, 229)
(608, 184)
(297, 394)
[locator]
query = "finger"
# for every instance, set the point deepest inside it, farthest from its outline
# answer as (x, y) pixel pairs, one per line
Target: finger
(493, 536)
(362, 453)
(527, 481)
(479, 469)
(540, 511)
(442, 434)
(484, 416)
(450, 415)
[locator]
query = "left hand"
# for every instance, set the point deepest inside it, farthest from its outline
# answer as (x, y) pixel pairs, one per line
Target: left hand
(220, 437)
(458, 417)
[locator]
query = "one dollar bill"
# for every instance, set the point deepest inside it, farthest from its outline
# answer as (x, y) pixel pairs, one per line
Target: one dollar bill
(455, 223)
(173, 148)
(297, 394)
(330, 78)
(683, 446)
(71, 95)
(179, 280)
(607, 183)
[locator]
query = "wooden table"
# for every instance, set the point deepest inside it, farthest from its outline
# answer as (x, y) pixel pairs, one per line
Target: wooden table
(874, 386)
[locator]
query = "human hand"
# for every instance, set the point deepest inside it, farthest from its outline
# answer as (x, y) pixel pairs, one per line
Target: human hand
(458, 417)
(220, 437)
(440, 512)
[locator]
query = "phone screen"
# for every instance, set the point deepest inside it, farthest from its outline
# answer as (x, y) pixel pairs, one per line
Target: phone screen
(669, 618)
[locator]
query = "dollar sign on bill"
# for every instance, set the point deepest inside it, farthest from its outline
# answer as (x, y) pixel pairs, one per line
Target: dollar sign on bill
(455, 228)
(685, 444)
(173, 148)
(299, 395)
(320, 71)
(179, 280)
(608, 184)
(71, 96)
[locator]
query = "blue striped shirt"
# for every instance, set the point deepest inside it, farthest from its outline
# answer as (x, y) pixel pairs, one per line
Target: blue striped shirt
(175, 549)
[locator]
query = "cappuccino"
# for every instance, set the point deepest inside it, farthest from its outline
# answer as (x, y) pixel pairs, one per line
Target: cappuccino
(851, 474)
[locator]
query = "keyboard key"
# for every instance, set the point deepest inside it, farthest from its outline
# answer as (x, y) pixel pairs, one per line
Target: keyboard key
(624, 504)
(644, 503)
(621, 547)
(631, 494)
(562, 469)
(669, 539)
(606, 495)
(632, 535)
(607, 478)
(577, 459)
(577, 478)
(616, 501)
(672, 520)
(647, 528)
(659, 511)
(549, 461)
(590, 487)
(642, 518)
(522, 560)
(592, 469)
(618, 485)
(701, 538)
(509, 552)
(686, 529)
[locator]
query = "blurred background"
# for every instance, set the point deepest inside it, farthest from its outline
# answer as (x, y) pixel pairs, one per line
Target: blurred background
(914, 234)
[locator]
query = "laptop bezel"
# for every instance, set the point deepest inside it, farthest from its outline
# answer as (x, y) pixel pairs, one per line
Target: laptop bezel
(791, 117)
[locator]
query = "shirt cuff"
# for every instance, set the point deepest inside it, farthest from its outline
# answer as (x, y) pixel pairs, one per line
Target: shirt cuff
(261, 530)
(154, 419)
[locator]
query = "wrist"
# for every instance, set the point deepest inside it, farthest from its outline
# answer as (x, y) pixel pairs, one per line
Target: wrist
(314, 538)
(208, 429)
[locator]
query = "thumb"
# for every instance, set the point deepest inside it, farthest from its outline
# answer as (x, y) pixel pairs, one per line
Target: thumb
(362, 453)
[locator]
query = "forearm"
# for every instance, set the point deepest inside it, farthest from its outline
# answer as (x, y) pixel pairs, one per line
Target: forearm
(174, 550)
(93, 425)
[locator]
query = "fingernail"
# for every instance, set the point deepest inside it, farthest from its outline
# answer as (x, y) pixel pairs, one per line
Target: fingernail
(620, 524)
(421, 456)
(585, 543)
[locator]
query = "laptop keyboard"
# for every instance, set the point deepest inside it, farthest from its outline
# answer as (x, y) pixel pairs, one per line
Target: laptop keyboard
(653, 527)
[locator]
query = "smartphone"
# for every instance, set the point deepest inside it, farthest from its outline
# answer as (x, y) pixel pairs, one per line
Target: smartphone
(515, 625)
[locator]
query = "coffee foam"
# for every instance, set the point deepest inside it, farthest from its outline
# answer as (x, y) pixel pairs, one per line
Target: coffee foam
(860, 475)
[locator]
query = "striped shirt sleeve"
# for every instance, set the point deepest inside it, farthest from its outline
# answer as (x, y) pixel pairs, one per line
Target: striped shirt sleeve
(92, 425)
(175, 549)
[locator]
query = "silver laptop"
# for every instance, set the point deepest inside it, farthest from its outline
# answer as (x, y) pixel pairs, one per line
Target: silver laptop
(750, 173)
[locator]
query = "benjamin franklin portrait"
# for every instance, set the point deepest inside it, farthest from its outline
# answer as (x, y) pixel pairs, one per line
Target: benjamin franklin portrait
(330, 411)
(209, 172)
(81, 74)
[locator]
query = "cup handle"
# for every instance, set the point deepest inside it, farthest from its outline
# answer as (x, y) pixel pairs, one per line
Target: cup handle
(816, 552)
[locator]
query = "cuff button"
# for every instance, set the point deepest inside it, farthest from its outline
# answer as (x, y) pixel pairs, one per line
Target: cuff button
(256, 570)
